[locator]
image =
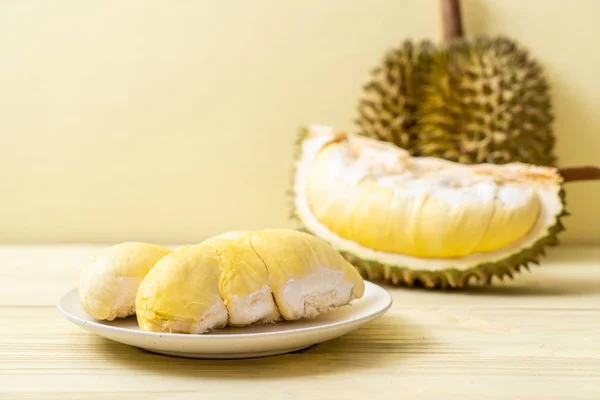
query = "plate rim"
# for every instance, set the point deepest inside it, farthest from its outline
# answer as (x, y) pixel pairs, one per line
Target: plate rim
(209, 336)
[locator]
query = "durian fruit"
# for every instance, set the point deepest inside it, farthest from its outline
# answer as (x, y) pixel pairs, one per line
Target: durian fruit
(108, 284)
(242, 278)
(469, 100)
(425, 221)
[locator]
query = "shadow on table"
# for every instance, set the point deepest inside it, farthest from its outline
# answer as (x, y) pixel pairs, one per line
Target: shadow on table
(563, 285)
(372, 346)
(524, 284)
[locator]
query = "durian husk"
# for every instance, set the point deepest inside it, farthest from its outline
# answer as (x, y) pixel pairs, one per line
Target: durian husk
(469, 101)
(449, 278)
(485, 100)
(389, 102)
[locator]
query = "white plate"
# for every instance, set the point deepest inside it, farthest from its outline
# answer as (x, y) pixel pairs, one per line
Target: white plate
(232, 342)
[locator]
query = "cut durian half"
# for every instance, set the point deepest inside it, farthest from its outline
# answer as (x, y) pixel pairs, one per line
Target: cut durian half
(407, 219)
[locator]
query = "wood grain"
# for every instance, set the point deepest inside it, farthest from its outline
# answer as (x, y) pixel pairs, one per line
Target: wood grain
(537, 337)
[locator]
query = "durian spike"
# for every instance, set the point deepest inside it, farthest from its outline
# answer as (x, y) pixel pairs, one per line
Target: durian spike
(581, 173)
(451, 19)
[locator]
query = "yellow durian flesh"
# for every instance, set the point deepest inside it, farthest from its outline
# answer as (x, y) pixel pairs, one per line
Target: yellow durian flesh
(108, 284)
(244, 281)
(372, 199)
(244, 278)
(306, 275)
(181, 293)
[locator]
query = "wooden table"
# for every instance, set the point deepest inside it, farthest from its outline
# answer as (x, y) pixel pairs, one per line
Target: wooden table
(537, 337)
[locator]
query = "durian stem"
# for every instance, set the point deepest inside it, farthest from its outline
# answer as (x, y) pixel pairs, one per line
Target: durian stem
(583, 173)
(451, 19)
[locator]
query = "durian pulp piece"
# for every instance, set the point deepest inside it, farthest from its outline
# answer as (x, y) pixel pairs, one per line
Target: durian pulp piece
(375, 201)
(108, 285)
(306, 276)
(241, 278)
(181, 293)
(244, 280)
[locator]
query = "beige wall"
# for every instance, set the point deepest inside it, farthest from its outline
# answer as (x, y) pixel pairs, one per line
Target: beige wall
(171, 121)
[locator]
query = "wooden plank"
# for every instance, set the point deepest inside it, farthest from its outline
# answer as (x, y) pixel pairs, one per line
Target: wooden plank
(474, 352)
